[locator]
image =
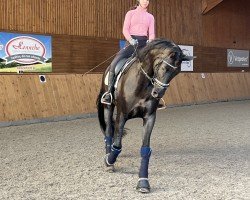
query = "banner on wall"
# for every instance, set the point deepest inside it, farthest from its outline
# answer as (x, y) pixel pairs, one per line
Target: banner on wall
(237, 58)
(20, 53)
(187, 66)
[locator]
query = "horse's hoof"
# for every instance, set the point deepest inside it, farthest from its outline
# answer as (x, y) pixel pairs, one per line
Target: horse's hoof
(109, 168)
(143, 186)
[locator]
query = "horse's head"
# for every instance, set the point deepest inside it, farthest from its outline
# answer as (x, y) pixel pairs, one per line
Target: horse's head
(164, 59)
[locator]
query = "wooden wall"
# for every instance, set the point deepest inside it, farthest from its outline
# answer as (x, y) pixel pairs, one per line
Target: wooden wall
(82, 28)
(227, 25)
(23, 97)
(87, 32)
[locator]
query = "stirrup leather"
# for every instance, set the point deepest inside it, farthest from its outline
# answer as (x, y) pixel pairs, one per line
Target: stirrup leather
(111, 98)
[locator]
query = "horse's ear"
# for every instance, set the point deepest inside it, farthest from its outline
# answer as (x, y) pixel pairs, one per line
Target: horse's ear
(188, 58)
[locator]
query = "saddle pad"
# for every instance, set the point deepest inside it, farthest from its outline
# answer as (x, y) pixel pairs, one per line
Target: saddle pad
(120, 73)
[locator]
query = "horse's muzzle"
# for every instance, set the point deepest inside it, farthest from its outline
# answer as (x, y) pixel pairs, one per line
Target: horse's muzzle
(158, 93)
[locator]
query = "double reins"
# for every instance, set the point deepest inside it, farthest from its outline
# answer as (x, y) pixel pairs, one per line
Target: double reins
(133, 55)
(101, 63)
(154, 80)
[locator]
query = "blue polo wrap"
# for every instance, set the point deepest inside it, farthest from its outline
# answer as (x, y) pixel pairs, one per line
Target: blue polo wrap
(145, 155)
(113, 154)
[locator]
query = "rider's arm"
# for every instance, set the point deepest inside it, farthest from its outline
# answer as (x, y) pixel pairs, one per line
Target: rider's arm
(151, 29)
(126, 26)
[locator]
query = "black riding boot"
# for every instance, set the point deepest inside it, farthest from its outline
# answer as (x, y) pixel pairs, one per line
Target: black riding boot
(107, 96)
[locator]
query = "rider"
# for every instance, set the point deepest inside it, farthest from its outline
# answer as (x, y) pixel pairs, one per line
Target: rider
(138, 28)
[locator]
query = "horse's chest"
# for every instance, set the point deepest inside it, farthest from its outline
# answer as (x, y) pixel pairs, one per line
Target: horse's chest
(142, 108)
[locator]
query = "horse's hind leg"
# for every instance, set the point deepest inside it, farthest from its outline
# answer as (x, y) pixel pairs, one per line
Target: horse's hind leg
(109, 132)
(117, 145)
(143, 183)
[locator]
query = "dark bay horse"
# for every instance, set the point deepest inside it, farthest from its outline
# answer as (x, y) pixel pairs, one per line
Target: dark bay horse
(137, 96)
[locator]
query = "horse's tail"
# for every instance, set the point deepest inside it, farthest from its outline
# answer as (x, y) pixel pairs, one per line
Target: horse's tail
(100, 110)
(101, 117)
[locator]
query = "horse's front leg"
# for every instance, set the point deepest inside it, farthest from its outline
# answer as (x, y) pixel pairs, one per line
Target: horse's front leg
(117, 145)
(143, 183)
(109, 132)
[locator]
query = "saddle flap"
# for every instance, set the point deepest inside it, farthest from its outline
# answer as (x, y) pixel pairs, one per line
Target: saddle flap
(120, 67)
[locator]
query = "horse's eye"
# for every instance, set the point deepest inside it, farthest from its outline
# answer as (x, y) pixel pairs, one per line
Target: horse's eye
(166, 69)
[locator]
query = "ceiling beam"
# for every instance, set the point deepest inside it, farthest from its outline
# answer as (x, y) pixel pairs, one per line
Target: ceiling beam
(208, 5)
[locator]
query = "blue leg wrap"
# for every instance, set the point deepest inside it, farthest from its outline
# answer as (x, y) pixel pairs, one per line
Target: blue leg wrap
(113, 154)
(145, 154)
(108, 142)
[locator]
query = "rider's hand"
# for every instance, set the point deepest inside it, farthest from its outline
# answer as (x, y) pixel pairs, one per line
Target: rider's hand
(148, 41)
(133, 42)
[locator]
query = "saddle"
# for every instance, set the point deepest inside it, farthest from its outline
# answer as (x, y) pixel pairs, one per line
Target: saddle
(120, 68)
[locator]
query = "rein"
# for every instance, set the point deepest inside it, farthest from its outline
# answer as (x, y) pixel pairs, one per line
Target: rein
(135, 53)
(155, 80)
(169, 64)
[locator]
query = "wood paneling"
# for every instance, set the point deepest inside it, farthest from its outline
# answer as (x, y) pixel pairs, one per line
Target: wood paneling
(76, 54)
(213, 59)
(179, 21)
(23, 97)
(227, 25)
(208, 5)
(85, 33)
(192, 88)
(96, 18)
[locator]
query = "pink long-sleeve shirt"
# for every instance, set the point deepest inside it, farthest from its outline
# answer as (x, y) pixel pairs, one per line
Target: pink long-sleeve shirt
(139, 22)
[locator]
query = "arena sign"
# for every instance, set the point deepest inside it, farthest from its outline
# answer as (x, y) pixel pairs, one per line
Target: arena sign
(187, 66)
(25, 53)
(237, 58)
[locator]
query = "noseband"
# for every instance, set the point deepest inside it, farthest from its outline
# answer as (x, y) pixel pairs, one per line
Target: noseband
(154, 80)
(172, 66)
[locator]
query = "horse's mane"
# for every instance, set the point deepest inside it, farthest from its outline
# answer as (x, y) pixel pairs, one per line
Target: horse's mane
(158, 43)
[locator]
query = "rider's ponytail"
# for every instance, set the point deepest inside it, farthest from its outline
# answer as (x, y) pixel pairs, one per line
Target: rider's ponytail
(135, 6)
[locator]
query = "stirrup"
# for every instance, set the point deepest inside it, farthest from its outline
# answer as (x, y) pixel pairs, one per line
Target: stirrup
(111, 98)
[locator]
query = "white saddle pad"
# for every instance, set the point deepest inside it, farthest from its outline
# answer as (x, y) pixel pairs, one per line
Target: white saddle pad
(119, 75)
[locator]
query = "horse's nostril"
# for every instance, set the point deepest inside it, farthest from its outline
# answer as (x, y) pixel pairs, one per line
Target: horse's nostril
(154, 94)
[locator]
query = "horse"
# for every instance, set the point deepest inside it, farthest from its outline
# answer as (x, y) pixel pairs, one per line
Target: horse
(137, 95)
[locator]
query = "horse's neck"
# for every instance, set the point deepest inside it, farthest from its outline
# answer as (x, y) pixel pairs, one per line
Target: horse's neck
(145, 74)
(148, 69)
(136, 82)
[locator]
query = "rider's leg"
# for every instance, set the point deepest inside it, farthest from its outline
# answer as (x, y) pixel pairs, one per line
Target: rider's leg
(124, 53)
(107, 97)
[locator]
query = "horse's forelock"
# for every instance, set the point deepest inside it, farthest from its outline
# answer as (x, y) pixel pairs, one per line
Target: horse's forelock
(157, 44)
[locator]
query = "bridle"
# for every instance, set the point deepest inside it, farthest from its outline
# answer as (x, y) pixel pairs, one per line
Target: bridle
(172, 66)
(154, 80)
